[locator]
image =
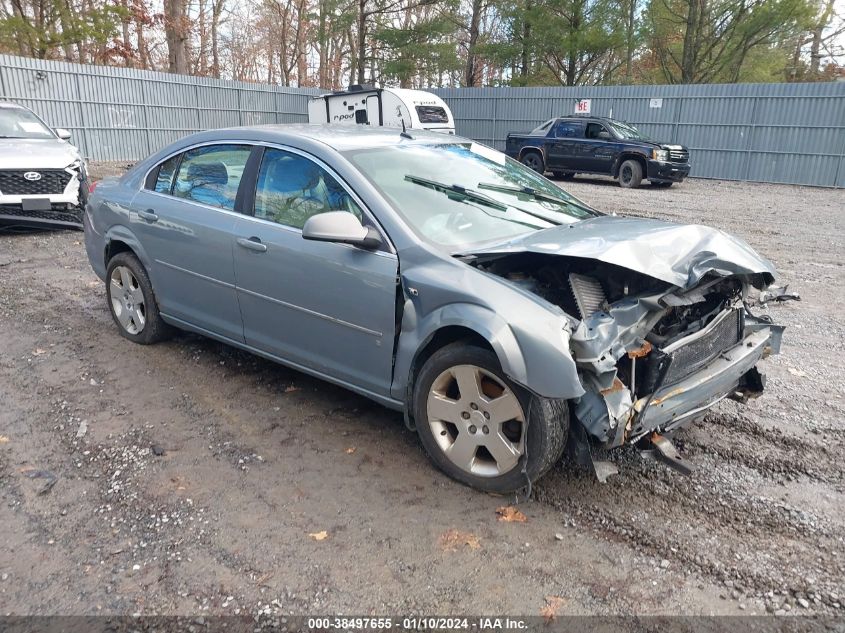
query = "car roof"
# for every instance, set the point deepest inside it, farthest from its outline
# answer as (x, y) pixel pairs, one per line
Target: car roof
(576, 117)
(338, 137)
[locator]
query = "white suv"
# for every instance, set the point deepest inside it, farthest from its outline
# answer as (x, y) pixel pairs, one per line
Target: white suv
(43, 178)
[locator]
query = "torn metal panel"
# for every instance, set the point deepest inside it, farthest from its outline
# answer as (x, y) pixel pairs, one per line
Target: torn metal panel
(681, 255)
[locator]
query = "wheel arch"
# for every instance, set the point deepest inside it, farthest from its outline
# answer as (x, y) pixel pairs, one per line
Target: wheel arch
(552, 372)
(119, 239)
(630, 155)
(532, 148)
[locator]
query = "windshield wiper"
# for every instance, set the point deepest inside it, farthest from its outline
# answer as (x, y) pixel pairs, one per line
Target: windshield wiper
(537, 195)
(457, 190)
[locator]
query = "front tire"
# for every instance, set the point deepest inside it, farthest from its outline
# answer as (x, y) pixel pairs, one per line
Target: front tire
(132, 302)
(476, 424)
(630, 174)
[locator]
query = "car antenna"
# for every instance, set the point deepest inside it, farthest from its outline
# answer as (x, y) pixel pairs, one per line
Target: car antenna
(404, 132)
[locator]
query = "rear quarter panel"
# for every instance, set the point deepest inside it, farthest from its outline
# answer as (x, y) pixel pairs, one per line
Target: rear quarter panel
(107, 218)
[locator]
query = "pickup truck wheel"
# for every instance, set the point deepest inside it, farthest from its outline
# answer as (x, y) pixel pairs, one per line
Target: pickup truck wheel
(630, 174)
(479, 427)
(533, 160)
(132, 302)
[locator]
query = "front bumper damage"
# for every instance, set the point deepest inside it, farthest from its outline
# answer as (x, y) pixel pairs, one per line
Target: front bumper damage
(57, 209)
(613, 413)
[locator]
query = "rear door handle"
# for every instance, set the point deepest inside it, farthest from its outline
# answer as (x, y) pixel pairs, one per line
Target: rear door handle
(149, 215)
(253, 244)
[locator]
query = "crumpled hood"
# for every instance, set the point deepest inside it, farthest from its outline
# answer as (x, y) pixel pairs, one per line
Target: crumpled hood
(679, 254)
(26, 153)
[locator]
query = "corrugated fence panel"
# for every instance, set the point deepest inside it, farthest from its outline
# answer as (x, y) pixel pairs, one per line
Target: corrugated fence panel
(786, 133)
(124, 114)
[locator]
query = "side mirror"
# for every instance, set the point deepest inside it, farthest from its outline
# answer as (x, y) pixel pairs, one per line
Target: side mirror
(63, 133)
(604, 135)
(342, 227)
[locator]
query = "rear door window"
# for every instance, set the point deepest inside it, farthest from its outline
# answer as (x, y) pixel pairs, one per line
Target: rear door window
(567, 129)
(212, 174)
(164, 178)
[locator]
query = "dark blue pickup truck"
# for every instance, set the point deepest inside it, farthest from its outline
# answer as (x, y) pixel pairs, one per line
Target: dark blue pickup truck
(595, 145)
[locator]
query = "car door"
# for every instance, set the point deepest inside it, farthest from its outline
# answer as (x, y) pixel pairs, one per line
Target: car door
(325, 306)
(563, 146)
(599, 148)
(184, 218)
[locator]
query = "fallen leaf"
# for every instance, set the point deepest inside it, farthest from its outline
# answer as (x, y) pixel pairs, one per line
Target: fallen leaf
(511, 515)
(38, 351)
(4, 439)
(454, 539)
(796, 372)
(350, 450)
(291, 388)
(319, 536)
(553, 603)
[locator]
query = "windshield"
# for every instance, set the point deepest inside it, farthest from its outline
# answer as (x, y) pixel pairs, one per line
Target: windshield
(460, 195)
(627, 132)
(18, 123)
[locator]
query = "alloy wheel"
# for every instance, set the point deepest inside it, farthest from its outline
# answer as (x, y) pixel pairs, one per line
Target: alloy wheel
(127, 300)
(476, 420)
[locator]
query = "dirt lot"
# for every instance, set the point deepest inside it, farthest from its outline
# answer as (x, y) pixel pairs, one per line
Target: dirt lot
(193, 478)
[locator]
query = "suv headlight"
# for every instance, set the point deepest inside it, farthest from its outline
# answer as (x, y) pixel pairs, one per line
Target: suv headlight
(660, 154)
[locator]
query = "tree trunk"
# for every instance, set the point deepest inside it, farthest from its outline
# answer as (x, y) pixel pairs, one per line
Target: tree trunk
(691, 39)
(818, 35)
(217, 10)
(362, 39)
(176, 36)
(470, 75)
(526, 37)
(630, 36)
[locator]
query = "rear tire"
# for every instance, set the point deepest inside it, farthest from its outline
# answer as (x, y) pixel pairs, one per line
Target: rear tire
(479, 435)
(132, 302)
(630, 174)
(534, 160)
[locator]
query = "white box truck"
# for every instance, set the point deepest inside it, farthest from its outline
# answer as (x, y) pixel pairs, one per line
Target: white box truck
(364, 105)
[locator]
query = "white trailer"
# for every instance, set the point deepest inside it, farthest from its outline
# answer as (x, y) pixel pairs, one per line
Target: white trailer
(363, 105)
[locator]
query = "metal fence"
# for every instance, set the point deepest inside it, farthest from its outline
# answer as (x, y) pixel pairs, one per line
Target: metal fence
(124, 114)
(785, 133)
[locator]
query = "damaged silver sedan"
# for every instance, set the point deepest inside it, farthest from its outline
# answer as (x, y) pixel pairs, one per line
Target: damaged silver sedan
(506, 319)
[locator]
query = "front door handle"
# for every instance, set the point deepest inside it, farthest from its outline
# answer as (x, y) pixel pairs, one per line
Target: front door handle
(253, 244)
(149, 215)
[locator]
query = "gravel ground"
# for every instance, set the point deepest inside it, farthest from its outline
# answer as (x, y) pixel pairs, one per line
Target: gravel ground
(191, 478)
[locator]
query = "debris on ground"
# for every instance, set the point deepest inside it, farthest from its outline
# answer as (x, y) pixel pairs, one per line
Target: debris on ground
(41, 474)
(510, 514)
(454, 539)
